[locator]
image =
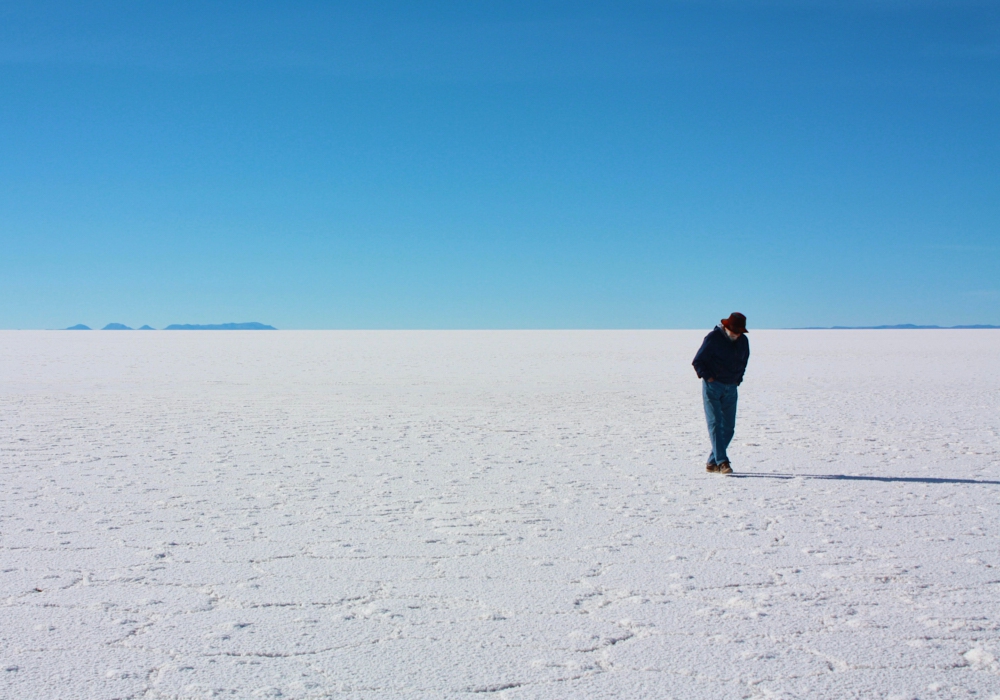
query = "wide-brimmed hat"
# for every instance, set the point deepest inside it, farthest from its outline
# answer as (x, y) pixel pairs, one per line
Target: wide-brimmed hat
(736, 322)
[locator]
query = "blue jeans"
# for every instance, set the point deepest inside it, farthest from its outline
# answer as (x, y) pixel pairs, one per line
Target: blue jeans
(720, 412)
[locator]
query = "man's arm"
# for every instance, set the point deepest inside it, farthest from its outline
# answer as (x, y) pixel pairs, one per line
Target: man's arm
(700, 361)
(746, 359)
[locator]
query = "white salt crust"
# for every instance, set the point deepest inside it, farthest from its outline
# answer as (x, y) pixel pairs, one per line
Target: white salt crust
(519, 514)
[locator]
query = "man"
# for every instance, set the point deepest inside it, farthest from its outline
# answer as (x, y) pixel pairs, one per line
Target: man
(720, 364)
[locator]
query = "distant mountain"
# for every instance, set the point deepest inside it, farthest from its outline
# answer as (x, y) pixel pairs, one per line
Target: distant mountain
(116, 327)
(79, 327)
(253, 326)
(899, 326)
(146, 328)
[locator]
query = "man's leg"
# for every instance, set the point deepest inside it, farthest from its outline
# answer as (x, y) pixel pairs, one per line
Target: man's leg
(727, 405)
(715, 419)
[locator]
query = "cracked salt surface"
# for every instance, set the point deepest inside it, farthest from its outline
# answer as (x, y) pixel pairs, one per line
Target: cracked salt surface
(513, 514)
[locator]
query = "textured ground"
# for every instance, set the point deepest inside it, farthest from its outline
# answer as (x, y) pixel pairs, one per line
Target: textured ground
(285, 514)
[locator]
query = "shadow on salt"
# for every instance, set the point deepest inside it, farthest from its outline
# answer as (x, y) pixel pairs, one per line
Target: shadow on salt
(852, 477)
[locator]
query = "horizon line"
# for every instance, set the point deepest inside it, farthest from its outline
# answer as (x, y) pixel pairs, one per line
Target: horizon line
(193, 327)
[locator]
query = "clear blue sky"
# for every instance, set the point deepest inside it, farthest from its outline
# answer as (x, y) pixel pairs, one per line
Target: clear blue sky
(499, 164)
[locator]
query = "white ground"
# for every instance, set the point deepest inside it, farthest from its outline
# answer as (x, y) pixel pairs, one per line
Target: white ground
(313, 514)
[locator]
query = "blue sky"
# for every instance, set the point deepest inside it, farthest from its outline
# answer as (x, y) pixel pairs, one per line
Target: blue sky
(499, 165)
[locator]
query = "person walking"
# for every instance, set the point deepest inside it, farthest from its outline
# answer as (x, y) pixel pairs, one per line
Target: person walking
(720, 364)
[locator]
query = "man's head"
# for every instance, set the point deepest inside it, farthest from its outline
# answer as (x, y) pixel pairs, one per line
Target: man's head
(736, 324)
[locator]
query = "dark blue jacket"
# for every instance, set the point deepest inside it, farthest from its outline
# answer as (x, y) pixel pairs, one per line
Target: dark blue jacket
(722, 359)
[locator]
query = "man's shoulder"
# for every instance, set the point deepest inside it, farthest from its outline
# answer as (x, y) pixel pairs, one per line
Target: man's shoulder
(743, 347)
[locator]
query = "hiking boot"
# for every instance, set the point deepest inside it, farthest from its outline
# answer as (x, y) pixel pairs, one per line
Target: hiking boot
(711, 467)
(724, 468)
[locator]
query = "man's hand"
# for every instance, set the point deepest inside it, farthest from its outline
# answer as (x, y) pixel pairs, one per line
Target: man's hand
(710, 380)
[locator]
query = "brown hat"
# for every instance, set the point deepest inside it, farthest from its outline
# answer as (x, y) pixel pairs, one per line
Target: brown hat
(736, 322)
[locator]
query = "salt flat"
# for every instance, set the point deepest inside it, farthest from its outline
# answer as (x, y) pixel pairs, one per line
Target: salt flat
(522, 514)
